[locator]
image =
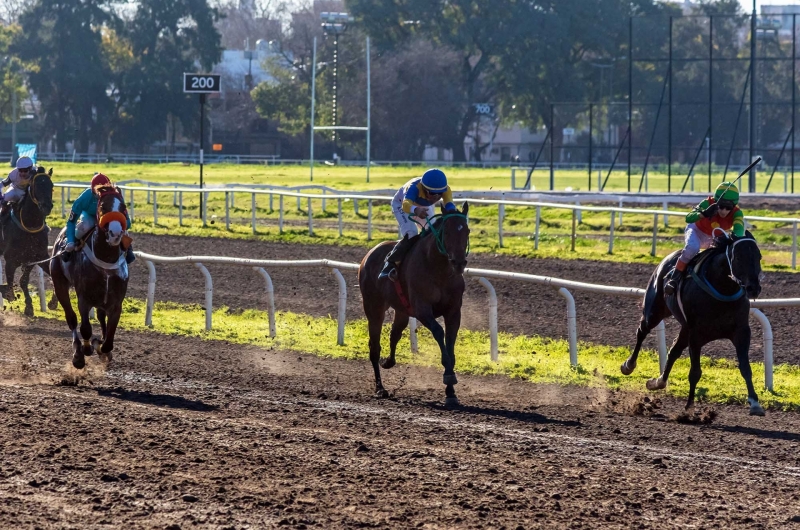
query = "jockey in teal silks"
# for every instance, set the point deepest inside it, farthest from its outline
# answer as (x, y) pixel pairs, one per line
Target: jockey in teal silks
(83, 216)
(415, 200)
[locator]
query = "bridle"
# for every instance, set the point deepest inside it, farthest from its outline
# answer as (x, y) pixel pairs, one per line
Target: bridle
(32, 194)
(730, 255)
(438, 233)
(104, 219)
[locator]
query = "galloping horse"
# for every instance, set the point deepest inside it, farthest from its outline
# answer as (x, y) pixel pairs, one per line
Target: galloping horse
(23, 238)
(99, 274)
(712, 303)
(430, 284)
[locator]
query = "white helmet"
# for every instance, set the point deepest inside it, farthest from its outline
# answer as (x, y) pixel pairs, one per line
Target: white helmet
(24, 162)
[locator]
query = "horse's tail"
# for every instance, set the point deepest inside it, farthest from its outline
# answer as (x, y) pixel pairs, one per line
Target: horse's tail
(655, 289)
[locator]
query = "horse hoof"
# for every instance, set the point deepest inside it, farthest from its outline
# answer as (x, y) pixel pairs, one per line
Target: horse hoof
(756, 409)
(28, 311)
(52, 305)
(627, 369)
(656, 384)
(78, 361)
(452, 402)
(105, 357)
(450, 379)
(388, 363)
(382, 393)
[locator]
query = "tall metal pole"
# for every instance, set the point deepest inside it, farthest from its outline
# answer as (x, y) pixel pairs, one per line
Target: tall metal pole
(13, 124)
(313, 104)
(591, 116)
(630, 97)
(710, 93)
(751, 186)
(335, 90)
(669, 115)
(202, 145)
(369, 108)
(794, 87)
(552, 150)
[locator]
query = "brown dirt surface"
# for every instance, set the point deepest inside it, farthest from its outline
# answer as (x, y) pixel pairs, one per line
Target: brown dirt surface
(523, 308)
(185, 433)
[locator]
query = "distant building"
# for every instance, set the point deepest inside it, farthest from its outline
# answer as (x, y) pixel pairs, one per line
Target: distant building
(779, 18)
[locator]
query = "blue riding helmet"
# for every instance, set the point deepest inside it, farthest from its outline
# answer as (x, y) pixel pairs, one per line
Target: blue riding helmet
(435, 181)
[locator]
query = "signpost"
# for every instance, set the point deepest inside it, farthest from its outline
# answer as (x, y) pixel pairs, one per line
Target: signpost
(201, 84)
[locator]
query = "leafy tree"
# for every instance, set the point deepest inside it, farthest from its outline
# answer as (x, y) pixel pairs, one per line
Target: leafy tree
(11, 78)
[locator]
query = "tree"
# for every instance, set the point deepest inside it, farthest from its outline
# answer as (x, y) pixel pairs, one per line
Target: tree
(63, 39)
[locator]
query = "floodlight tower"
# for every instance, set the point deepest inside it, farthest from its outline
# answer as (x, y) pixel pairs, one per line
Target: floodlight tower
(335, 24)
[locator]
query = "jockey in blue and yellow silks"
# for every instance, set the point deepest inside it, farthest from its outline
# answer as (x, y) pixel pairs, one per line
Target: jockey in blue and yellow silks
(83, 216)
(416, 200)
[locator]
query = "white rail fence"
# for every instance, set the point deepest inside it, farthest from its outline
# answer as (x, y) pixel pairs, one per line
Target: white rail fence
(564, 288)
(615, 213)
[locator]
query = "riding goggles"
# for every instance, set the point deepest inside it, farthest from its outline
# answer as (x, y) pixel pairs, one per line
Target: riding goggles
(726, 205)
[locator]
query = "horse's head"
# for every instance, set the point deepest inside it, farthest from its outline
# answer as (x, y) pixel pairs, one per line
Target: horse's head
(111, 219)
(40, 190)
(744, 259)
(455, 237)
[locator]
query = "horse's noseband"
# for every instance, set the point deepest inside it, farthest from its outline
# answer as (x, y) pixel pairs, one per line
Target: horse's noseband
(730, 257)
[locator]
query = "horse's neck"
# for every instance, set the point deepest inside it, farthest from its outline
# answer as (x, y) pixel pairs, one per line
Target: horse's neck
(27, 208)
(437, 262)
(102, 250)
(718, 274)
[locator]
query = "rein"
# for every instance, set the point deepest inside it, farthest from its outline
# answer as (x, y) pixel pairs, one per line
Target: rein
(35, 201)
(438, 233)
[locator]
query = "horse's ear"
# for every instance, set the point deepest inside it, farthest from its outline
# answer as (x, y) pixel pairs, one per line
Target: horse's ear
(465, 208)
(50, 173)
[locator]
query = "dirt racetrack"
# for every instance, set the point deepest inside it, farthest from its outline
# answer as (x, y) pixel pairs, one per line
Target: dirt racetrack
(183, 433)
(523, 308)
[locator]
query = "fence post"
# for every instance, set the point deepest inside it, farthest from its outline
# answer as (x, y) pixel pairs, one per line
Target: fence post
(233, 199)
(620, 213)
(324, 202)
(253, 212)
(69, 194)
(342, 306)
(271, 209)
(412, 334)
(151, 294)
(270, 292)
(130, 206)
(369, 220)
(580, 213)
(180, 208)
(661, 338)
(666, 217)
(355, 206)
(655, 234)
(501, 213)
(298, 203)
(339, 207)
(63, 205)
(794, 245)
(175, 199)
(155, 209)
(280, 214)
(574, 219)
(536, 233)
(209, 294)
(205, 208)
(611, 234)
(766, 331)
(572, 329)
(227, 211)
(492, 317)
(310, 219)
(41, 289)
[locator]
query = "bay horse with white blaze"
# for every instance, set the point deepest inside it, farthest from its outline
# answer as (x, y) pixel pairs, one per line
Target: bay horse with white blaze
(23, 238)
(711, 303)
(99, 274)
(431, 285)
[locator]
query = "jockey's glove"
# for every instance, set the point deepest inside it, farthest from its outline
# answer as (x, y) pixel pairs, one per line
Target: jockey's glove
(710, 211)
(421, 212)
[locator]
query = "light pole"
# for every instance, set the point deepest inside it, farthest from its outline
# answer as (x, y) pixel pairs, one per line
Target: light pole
(335, 24)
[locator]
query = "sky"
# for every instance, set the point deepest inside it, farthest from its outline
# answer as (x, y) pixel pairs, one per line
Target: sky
(748, 4)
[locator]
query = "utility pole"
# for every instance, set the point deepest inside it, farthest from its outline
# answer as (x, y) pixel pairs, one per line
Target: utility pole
(335, 24)
(751, 181)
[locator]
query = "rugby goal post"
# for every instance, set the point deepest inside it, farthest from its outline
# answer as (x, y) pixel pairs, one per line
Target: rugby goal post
(315, 128)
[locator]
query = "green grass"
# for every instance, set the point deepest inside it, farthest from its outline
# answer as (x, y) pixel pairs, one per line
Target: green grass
(533, 359)
(354, 178)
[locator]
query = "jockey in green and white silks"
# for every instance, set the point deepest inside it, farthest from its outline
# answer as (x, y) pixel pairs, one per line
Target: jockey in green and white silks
(416, 199)
(83, 216)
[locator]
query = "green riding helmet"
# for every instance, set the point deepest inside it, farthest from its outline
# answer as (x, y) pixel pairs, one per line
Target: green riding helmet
(727, 191)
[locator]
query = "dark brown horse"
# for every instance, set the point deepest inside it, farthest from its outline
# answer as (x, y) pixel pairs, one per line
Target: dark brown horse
(23, 237)
(99, 275)
(432, 283)
(709, 306)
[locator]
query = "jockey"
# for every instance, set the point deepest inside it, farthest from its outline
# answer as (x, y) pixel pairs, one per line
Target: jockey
(83, 216)
(720, 211)
(415, 200)
(18, 179)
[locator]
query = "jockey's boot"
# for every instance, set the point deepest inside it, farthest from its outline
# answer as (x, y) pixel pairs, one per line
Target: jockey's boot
(675, 278)
(130, 257)
(396, 256)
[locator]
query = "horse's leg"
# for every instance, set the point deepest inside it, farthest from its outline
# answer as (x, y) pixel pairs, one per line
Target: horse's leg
(658, 313)
(86, 327)
(452, 323)
(53, 303)
(24, 279)
(398, 326)
(375, 313)
(427, 320)
(741, 341)
(695, 371)
(109, 331)
(97, 343)
(11, 271)
(681, 341)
